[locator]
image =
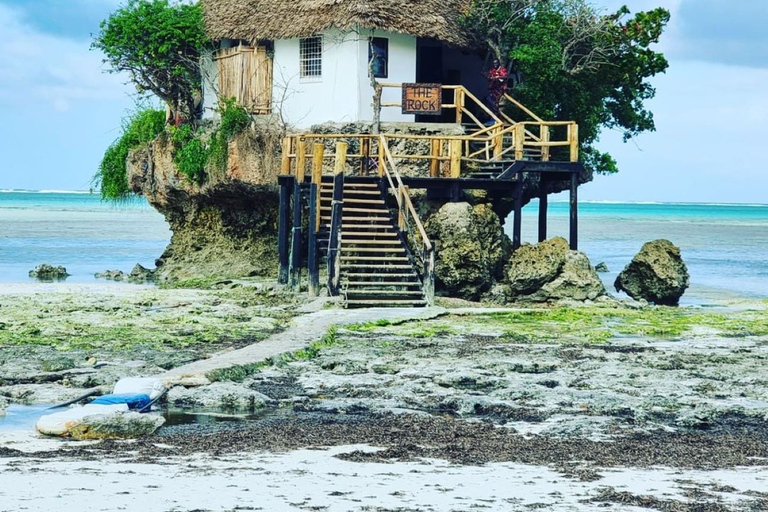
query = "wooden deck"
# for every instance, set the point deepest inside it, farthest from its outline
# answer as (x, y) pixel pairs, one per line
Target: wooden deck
(352, 227)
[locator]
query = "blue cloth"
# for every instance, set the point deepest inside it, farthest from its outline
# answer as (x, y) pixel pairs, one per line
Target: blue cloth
(134, 401)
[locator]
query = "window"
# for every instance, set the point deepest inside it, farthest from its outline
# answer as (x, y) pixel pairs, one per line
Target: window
(311, 57)
(378, 56)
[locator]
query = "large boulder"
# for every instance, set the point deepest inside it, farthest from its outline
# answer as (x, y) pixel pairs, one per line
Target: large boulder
(128, 425)
(471, 248)
(47, 272)
(218, 395)
(549, 271)
(657, 274)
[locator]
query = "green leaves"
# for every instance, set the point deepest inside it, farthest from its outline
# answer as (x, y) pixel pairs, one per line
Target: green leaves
(578, 64)
(112, 177)
(158, 43)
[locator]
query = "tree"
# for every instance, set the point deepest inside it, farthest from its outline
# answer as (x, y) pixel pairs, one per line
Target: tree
(576, 63)
(158, 42)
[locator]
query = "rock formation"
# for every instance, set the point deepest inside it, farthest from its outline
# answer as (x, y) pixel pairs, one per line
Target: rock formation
(657, 274)
(226, 228)
(47, 272)
(471, 249)
(549, 271)
(129, 425)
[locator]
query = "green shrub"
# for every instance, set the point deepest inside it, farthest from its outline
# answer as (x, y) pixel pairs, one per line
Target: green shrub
(139, 129)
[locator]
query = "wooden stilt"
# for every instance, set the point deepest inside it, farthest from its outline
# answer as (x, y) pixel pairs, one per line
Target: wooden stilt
(574, 211)
(337, 211)
(313, 261)
(517, 227)
(284, 230)
(296, 243)
(543, 205)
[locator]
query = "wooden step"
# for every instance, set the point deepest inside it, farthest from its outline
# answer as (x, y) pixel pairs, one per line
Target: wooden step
(356, 275)
(360, 243)
(371, 219)
(383, 303)
(374, 284)
(372, 250)
(358, 234)
(376, 258)
(405, 293)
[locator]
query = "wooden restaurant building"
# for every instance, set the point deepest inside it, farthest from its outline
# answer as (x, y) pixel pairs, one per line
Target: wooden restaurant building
(395, 62)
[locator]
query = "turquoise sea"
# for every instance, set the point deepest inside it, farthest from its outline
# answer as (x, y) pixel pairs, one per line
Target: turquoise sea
(724, 245)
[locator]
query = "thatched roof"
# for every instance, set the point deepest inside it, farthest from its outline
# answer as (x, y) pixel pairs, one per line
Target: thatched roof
(252, 20)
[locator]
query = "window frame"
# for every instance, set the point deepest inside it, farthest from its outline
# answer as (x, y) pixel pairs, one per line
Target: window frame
(311, 58)
(384, 55)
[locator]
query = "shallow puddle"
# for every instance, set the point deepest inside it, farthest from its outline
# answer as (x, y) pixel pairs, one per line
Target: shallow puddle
(23, 417)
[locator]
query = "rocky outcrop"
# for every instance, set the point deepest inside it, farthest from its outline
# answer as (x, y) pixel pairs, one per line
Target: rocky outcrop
(657, 274)
(45, 272)
(225, 228)
(3, 405)
(128, 425)
(547, 272)
(139, 274)
(471, 249)
(218, 395)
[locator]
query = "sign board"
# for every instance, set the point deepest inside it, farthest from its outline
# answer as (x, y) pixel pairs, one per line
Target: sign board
(423, 99)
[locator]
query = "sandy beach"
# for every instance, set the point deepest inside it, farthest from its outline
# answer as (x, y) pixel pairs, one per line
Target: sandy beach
(565, 408)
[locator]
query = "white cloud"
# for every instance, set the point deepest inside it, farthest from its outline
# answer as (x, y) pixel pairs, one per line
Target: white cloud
(38, 67)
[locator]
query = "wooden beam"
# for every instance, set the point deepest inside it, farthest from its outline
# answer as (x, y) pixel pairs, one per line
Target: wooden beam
(574, 211)
(517, 227)
(545, 149)
(313, 260)
(337, 212)
(519, 141)
(455, 149)
(543, 206)
(284, 230)
(285, 164)
(365, 154)
(435, 152)
(573, 137)
(296, 243)
(301, 160)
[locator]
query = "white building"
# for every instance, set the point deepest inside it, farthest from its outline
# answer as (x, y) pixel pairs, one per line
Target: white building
(310, 60)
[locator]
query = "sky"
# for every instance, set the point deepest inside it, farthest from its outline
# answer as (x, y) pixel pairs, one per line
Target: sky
(59, 110)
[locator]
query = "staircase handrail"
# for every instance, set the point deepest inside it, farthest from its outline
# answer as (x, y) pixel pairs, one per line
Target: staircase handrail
(405, 207)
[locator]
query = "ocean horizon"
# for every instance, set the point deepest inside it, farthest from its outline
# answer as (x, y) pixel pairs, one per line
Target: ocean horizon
(725, 245)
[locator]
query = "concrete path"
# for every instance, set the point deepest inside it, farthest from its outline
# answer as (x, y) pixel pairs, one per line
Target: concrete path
(303, 331)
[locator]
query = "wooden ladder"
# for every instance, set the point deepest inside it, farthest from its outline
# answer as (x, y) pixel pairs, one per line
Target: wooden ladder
(377, 268)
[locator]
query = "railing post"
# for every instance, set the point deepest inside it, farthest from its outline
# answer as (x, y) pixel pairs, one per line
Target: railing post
(285, 164)
(573, 137)
(337, 212)
(435, 149)
(301, 159)
(545, 143)
(365, 153)
(455, 148)
(382, 157)
(498, 142)
(458, 100)
(401, 208)
(519, 141)
(296, 245)
(314, 218)
(284, 230)
(429, 276)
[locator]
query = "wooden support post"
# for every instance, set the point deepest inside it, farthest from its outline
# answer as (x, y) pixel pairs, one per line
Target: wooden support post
(573, 137)
(285, 164)
(545, 149)
(455, 148)
(519, 141)
(334, 246)
(435, 150)
(365, 152)
(284, 230)
(574, 211)
(296, 245)
(382, 156)
(301, 160)
(401, 209)
(458, 100)
(543, 206)
(498, 143)
(313, 261)
(517, 228)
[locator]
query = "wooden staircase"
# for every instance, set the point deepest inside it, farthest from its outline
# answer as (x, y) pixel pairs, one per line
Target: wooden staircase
(377, 268)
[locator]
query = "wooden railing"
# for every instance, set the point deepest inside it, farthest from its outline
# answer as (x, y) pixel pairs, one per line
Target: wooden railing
(408, 220)
(462, 100)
